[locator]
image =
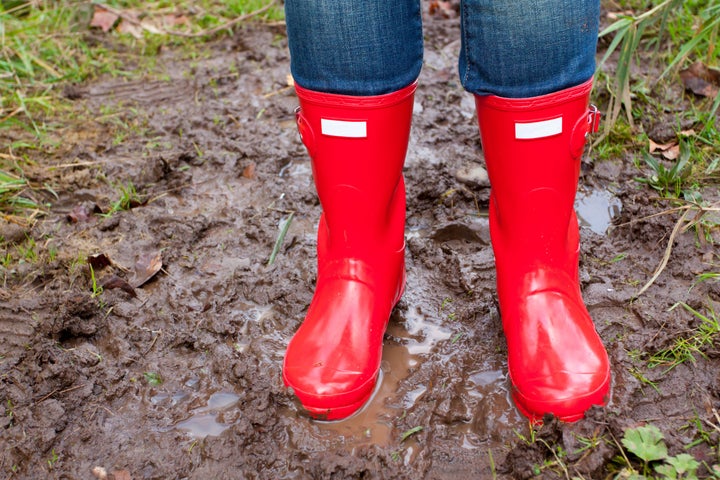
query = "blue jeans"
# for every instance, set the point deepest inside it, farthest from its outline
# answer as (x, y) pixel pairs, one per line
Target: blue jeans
(509, 48)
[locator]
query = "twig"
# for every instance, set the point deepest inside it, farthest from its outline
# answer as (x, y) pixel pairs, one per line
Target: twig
(157, 334)
(12, 114)
(687, 206)
(60, 392)
(277, 92)
(71, 165)
(235, 120)
(622, 452)
(678, 226)
(18, 8)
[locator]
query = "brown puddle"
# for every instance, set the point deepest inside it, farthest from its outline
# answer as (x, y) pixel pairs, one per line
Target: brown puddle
(373, 424)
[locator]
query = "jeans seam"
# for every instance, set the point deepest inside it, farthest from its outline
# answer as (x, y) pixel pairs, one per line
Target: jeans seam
(465, 52)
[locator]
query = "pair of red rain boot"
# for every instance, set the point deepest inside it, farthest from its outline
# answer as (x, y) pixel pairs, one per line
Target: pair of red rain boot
(532, 148)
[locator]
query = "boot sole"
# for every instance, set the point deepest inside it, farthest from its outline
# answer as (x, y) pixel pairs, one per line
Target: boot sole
(599, 397)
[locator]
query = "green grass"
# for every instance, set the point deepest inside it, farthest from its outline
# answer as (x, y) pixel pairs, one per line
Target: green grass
(18, 202)
(686, 347)
(661, 37)
(46, 45)
(669, 32)
(128, 198)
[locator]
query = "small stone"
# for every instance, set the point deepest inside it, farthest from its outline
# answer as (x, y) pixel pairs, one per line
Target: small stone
(473, 175)
(100, 473)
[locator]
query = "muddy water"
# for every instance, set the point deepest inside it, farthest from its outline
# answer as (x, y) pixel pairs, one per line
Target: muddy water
(184, 380)
(596, 209)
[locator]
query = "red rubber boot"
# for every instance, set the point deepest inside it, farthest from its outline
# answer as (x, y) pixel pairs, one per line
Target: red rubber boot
(357, 146)
(532, 148)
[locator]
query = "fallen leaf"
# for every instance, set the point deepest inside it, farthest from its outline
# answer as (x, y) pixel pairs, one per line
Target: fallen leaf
(103, 19)
(249, 171)
(99, 261)
(152, 28)
(114, 281)
(175, 20)
(146, 267)
(654, 147)
(701, 80)
(672, 153)
(130, 28)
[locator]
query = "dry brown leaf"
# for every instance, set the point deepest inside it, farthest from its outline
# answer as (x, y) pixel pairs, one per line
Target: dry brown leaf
(103, 19)
(249, 171)
(146, 267)
(654, 147)
(114, 281)
(130, 28)
(99, 261)
(672, 153)
(175, 20)
(701, 80)
(152, 28)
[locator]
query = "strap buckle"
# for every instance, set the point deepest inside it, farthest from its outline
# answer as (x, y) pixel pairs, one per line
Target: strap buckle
(593, 119)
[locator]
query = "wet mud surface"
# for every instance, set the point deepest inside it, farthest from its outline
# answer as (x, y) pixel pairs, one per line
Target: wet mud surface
(180, 377)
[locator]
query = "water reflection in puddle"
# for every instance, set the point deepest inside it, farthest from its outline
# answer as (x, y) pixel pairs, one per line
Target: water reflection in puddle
(201, 426)
(204, 420)
(596, 209)
(493, 411)
(373, 424)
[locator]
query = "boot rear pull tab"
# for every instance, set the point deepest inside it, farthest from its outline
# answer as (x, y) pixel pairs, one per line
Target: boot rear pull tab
(586, 124)
(306, 134)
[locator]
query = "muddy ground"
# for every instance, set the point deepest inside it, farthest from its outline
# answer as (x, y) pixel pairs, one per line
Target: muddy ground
(180, 376)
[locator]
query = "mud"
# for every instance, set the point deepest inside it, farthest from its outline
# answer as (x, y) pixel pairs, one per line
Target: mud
(183, 379)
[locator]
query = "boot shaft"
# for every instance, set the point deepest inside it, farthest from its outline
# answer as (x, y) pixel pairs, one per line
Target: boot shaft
(532, 150)
(357, 146)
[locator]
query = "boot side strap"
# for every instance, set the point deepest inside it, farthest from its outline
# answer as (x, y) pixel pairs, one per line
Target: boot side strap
(593, 119)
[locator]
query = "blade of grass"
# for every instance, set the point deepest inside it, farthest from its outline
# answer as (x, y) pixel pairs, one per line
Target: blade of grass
(668, 250)
(704, 33)
(280, 238)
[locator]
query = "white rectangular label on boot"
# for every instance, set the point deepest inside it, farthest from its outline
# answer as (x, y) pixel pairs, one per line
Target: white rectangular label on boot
(545, 128)
(342, 128)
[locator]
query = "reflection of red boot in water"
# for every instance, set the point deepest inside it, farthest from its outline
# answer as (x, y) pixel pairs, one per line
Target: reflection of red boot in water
(357, 146)
(532, 149)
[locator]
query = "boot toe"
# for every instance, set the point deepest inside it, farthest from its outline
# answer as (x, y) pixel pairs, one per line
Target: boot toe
(330, 394)
(567, 395)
